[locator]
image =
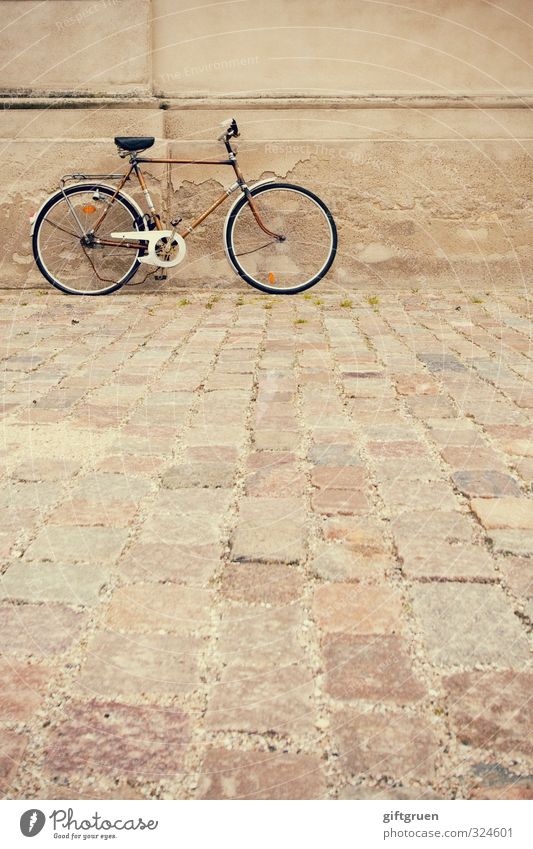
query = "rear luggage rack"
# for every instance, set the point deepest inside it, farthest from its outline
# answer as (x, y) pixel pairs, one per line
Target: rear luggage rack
(69, 178)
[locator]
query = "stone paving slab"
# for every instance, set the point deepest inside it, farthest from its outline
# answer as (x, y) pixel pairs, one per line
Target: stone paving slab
(266, 548)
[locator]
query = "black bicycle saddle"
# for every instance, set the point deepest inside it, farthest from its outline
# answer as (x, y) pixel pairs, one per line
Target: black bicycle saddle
(134, 142)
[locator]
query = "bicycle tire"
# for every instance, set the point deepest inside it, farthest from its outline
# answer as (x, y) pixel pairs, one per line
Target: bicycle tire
(233, 256)
(56, 198)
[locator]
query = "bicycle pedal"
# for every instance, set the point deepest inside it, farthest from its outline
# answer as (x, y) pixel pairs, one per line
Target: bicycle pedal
(175, 221)
(161, 276)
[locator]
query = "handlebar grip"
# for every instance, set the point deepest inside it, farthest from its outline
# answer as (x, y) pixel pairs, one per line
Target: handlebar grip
(231, 125)
(231, 131)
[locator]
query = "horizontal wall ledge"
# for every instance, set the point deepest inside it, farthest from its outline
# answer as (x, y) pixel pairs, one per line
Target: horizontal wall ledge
(311, 128)
(68, 100)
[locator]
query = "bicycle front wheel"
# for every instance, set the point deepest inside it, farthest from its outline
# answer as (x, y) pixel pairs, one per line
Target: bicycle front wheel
(69, 265)
(281, 267)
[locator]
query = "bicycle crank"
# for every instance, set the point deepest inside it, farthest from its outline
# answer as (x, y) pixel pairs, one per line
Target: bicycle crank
(164, 249)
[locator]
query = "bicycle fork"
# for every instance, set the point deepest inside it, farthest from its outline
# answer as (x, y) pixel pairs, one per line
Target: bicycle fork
(247, 193)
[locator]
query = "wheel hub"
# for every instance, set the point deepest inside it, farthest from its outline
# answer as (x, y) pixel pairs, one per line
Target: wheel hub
(87, 241)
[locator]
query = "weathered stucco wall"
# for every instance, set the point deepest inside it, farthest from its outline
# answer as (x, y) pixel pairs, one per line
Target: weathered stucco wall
(412, 120)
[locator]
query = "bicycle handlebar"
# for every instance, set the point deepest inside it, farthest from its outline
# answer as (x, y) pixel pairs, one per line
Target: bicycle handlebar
(231, 132)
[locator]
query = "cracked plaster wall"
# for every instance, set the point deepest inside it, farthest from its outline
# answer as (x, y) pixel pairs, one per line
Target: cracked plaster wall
(414, 124)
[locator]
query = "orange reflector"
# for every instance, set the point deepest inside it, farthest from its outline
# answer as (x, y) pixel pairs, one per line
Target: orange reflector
(89, 209)
(271, 277)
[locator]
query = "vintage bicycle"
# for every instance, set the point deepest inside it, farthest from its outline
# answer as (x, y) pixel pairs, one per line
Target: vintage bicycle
(90, 238)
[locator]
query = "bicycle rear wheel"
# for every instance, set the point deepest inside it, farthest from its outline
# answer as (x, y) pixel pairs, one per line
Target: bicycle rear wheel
(301, 259)
(75, 268)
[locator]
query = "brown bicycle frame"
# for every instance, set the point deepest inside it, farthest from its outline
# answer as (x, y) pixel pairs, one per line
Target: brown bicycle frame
(134, 167)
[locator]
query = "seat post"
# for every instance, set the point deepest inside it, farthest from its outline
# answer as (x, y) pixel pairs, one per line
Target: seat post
(146, 193)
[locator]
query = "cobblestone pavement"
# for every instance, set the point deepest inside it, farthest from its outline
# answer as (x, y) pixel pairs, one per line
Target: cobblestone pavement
(258, 547)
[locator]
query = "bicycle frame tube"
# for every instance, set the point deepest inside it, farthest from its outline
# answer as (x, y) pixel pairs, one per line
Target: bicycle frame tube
(240, 183)
(120, 186)
(147, 197)
(143, 159)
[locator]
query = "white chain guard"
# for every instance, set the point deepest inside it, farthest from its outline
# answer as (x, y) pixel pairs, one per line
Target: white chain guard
(153, 237)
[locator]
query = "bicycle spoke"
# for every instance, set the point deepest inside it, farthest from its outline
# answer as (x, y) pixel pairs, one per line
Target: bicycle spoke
(53, 224)
(260, 248)
(85, 268)
(301, 258)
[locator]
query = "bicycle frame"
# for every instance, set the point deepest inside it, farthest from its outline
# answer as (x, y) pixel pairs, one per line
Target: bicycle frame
(135, 169)
(75, 223)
